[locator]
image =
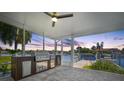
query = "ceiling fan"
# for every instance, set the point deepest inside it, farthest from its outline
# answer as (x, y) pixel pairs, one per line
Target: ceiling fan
(55, 17)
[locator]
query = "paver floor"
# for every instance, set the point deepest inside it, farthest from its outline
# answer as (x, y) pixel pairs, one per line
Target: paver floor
(66, 73)
(82, 63)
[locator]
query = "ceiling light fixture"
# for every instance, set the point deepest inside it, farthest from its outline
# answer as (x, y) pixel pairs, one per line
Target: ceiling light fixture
(54, 19)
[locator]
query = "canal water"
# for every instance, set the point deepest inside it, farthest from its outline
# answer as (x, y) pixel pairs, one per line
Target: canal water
(66, 59)
(120, 61)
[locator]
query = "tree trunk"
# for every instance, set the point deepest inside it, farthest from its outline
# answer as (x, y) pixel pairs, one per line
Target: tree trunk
(16, 45)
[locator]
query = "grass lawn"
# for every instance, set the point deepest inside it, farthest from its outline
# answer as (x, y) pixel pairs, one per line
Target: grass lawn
(105, 65)
(5, 59)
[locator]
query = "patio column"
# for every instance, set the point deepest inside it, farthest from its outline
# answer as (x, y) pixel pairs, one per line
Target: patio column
(23, 41)
(43, 42)
(61, 50)
(72, 51)
(55, 46)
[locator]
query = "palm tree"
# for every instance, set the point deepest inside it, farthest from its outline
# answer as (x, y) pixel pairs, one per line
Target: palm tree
(10, 34)
(7, 33)
(100, 48)
(19, 39)
(102, 45)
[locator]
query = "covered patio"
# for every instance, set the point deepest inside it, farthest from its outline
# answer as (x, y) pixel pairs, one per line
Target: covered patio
(81, 24)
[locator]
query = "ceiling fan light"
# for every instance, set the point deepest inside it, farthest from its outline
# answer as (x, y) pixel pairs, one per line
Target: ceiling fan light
(54, 19)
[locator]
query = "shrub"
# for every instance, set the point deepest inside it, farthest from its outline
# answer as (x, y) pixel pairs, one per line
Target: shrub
(105, 65)
(5, 59)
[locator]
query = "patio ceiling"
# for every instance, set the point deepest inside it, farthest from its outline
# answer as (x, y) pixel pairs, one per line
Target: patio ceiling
(82, 23)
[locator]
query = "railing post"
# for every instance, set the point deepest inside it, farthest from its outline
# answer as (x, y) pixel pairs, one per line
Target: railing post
(72, 50)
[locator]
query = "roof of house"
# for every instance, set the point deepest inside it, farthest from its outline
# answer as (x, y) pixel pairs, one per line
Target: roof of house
(82, 23)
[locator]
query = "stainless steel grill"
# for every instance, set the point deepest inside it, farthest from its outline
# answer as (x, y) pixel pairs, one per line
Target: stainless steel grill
(41, 56)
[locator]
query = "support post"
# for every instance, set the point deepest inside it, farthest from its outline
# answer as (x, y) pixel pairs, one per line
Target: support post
(61, 51)
(55, 47)
(43, 42)
(72, 51)
(23, 42)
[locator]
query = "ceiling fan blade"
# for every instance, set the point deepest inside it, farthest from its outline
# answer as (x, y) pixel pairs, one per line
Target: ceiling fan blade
(53, 24)
(54, 13)
(49, 14)
(65, 16)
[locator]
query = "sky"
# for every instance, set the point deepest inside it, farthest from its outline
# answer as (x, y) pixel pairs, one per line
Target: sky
(111, 40)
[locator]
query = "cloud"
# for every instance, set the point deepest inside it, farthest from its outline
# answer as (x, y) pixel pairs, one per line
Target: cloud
(34, 44)
(77, 43)
(118, 38)
(94, 42)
